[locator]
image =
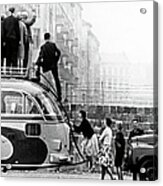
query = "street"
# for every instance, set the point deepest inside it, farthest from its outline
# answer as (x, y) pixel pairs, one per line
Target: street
(60, 175)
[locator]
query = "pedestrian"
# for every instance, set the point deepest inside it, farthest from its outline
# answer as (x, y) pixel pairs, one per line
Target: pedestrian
(119, 151)
(106, 158)
(28, 22)
(11, 38)
(89, 144)
(48, 58)
(136, 131)
(3, 16)
(23, 40)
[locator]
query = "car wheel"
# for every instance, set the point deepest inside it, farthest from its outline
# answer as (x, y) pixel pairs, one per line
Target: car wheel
(148, 171)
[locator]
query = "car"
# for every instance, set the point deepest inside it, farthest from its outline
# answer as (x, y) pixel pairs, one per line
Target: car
(142, 157)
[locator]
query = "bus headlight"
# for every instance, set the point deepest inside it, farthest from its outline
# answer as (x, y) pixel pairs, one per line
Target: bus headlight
(53, 158)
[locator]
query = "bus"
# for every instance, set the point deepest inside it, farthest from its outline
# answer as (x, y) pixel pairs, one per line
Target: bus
(34, 131)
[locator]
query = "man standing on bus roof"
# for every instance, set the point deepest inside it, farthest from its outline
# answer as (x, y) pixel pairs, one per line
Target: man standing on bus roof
(11, 38)
(48, 58)
(3, 51)
(28, 21)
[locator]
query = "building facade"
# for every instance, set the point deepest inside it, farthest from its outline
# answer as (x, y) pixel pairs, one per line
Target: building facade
(127, 88)
(79, 47)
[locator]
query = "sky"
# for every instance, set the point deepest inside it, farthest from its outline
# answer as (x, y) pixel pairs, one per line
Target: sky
(121, 27)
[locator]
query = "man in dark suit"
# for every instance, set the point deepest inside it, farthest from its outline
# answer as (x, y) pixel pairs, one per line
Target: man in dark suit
(2, 41)
(11, 38)
(48, 59)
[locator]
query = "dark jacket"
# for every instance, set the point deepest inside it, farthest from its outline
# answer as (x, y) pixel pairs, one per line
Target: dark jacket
(119, 142)
(120, 148)
(11, 28)
(2, 31)
(85, 128)
(135, 132)
(3, 48)
(48, 56)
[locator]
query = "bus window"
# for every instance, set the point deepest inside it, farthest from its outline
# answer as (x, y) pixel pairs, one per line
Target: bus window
(31, 107)
(49, 109)
(3, 104)
(11, 102)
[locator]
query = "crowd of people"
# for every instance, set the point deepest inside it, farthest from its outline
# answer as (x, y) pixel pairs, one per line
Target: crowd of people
(16, 37)
(16, 41)
(103, 149)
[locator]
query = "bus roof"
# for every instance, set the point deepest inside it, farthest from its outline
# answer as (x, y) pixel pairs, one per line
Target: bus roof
(22, 84)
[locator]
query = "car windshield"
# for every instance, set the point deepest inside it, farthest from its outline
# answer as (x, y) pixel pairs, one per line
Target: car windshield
(50, 109)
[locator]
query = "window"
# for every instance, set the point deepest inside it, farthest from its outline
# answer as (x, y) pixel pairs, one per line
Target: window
(31, 107)
(69, 45)
(49, 107)
(11, 102)
(72, 5)
(59, 28)
(36, 38)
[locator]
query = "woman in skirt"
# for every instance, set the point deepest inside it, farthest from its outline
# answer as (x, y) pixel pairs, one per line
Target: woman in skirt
(106, 158)
(89, 145)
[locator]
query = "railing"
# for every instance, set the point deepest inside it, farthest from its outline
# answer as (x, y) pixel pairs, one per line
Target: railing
(13, 72)
(19, 72)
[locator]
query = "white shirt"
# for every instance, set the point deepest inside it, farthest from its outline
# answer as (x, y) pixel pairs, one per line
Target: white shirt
(106, 136)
